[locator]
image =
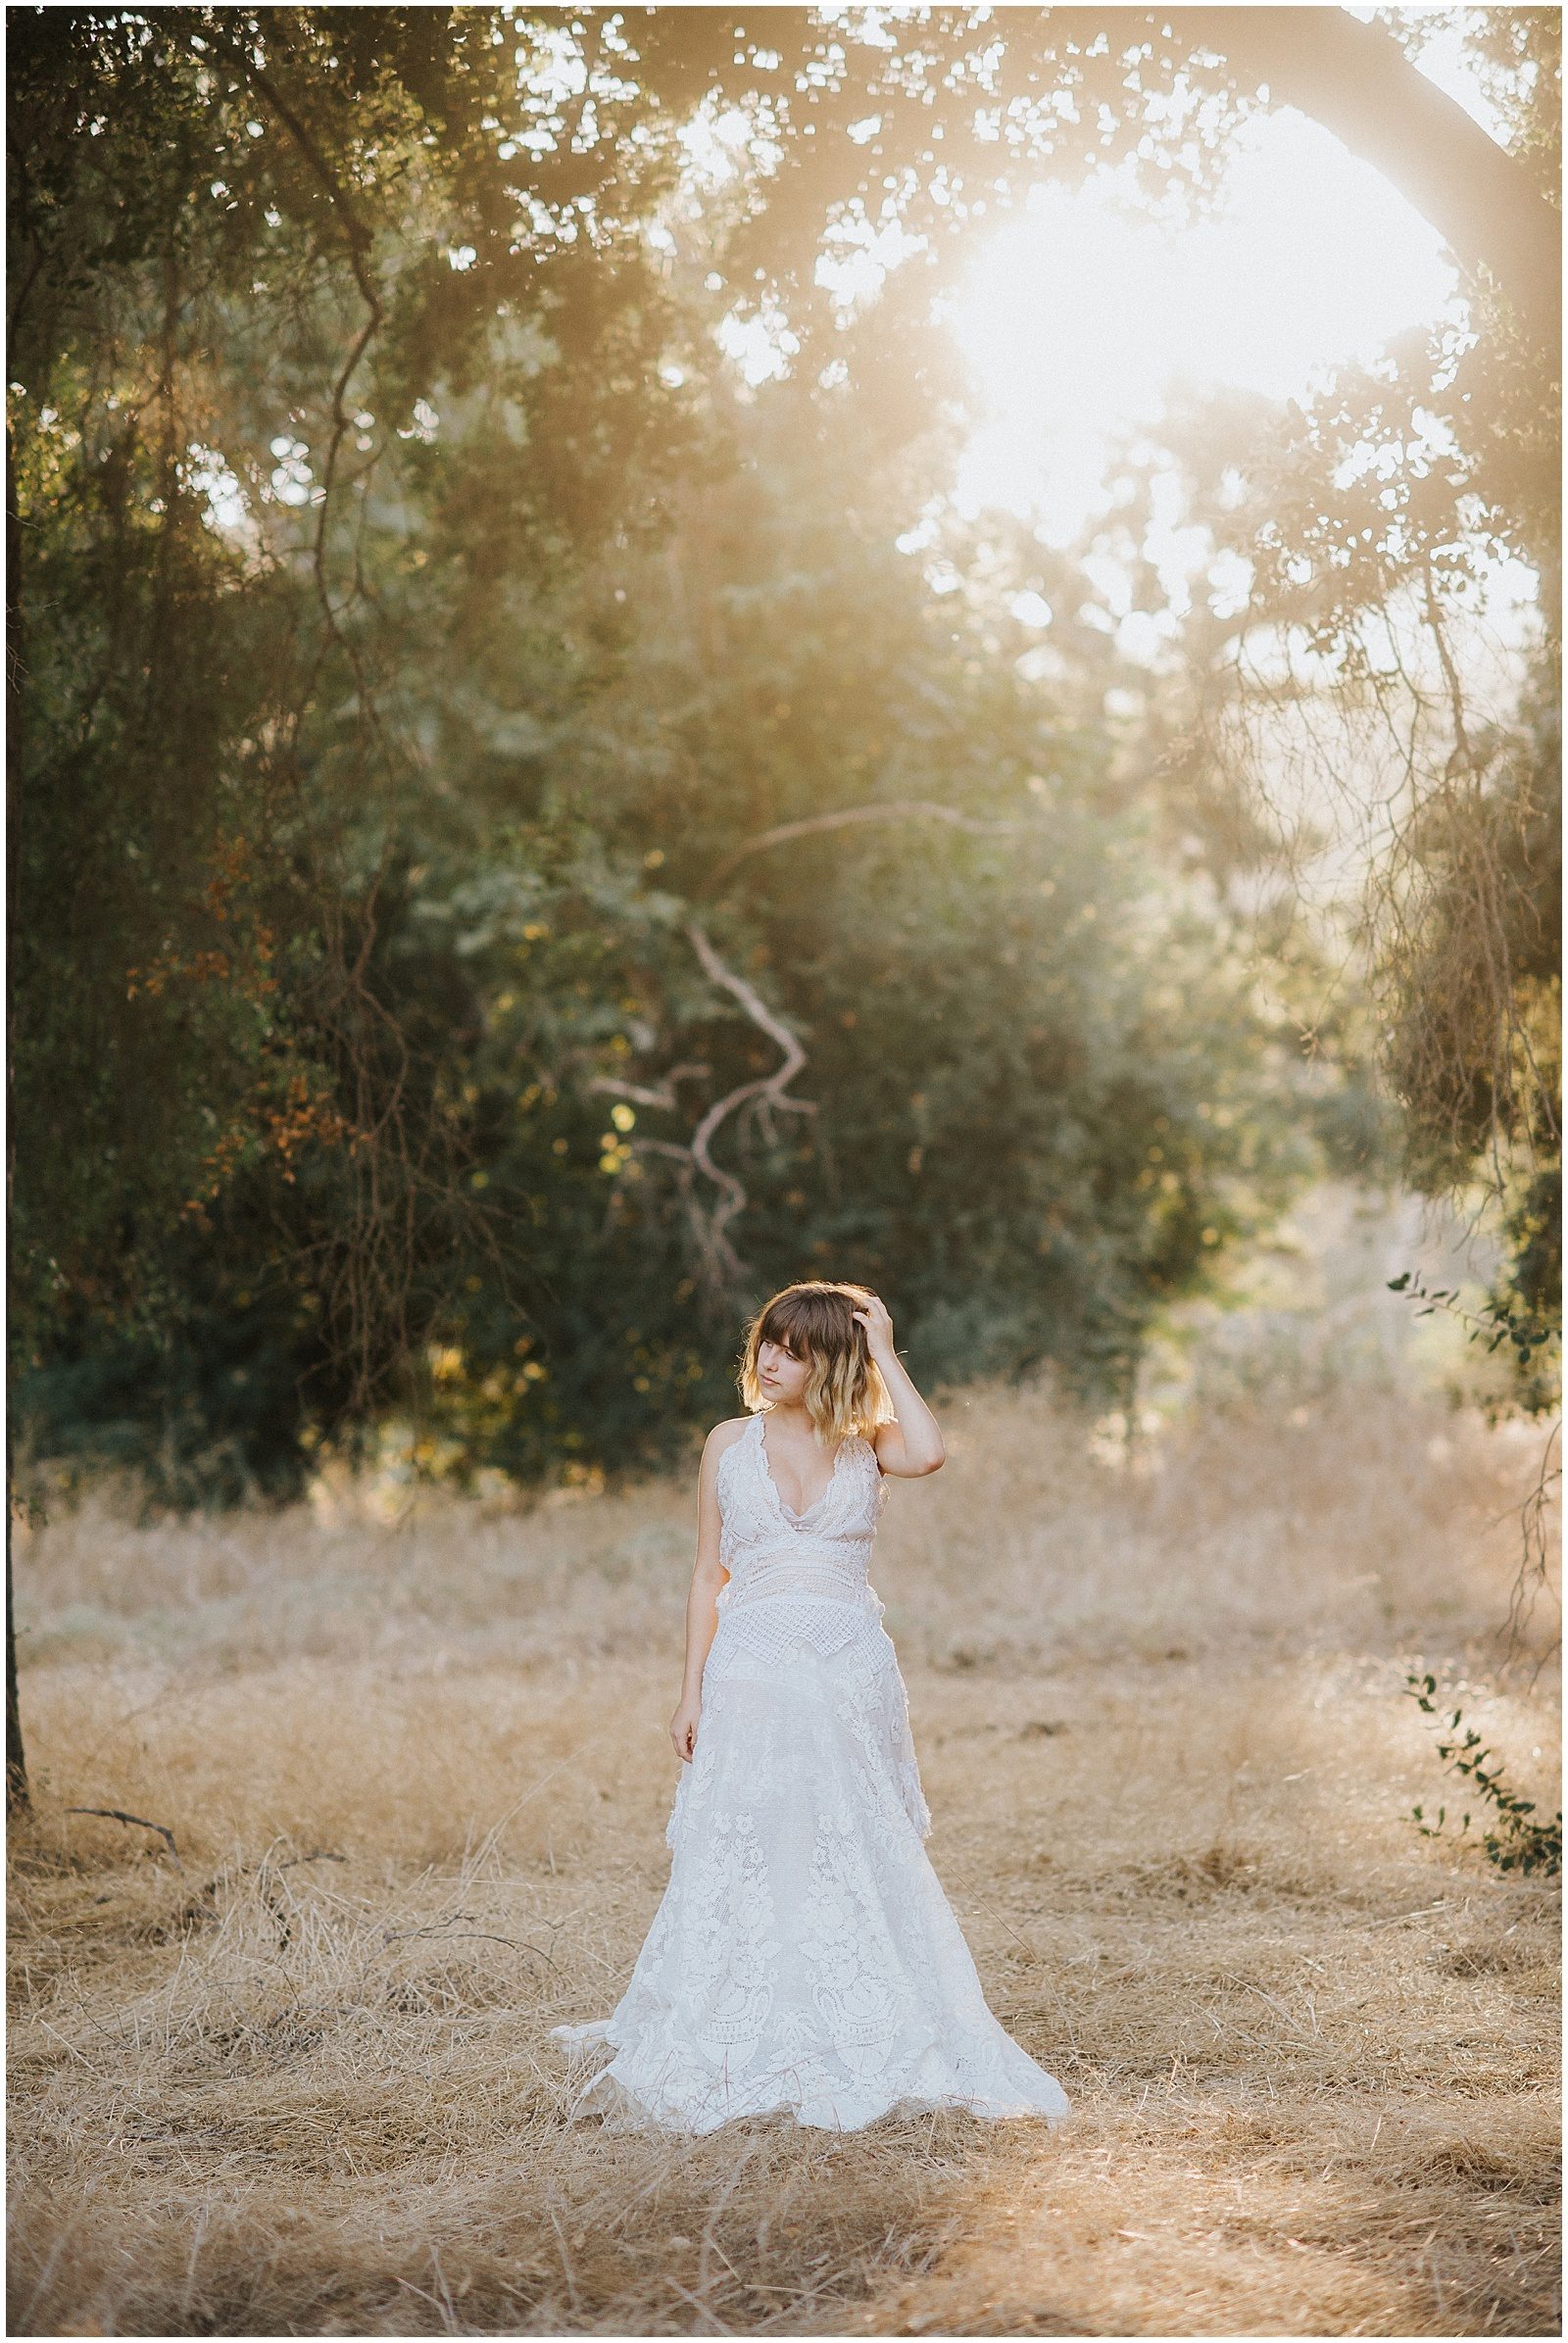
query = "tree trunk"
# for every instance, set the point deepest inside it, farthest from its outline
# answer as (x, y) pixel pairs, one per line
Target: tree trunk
(17, 1796)
(16, 1793)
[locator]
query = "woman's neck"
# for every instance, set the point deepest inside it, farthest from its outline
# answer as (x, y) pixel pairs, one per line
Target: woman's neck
(793, 1413)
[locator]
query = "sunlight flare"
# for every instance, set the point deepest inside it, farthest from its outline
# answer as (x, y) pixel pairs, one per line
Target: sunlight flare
(1079, 319)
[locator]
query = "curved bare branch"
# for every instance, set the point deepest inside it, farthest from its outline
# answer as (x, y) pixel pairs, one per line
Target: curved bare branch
(773, 1088)
(643, 1094)
(892, 809)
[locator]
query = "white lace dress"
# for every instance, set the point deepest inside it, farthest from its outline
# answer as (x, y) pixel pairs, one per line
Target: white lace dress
(804, 1957)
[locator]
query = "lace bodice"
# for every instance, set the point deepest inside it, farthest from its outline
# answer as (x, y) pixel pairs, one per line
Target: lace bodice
(769, 1549)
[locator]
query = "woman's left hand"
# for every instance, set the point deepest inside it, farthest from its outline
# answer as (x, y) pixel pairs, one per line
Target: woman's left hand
(878, 1324)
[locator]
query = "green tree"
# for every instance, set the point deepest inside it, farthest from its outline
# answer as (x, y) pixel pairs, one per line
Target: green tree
(444, 719)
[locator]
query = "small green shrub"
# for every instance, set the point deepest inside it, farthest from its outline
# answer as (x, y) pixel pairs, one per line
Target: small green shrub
(1516, 1843)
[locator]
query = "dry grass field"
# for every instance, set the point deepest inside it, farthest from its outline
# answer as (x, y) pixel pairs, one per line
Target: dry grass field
(415, 1763)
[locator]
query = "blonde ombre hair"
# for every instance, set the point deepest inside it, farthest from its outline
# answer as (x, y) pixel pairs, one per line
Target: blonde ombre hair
(844, 1391)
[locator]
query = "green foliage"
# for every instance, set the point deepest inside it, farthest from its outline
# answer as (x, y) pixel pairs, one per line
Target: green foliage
(211, 754)
(1372, 518)
(1518, 1319)
(1044, 1091)
(1372, 522)
(426, 659)
(1472, 990)
(1516, 1843)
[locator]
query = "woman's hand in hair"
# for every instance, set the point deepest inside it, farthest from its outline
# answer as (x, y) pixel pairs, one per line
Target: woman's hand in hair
(875, 1317)
(911, 1445)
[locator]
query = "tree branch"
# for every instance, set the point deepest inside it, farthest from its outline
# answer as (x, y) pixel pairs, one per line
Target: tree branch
(892, 809)
(643, 1094)
(1357, 81)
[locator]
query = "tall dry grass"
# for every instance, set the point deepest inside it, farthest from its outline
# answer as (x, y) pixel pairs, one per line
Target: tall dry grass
(417, 1772)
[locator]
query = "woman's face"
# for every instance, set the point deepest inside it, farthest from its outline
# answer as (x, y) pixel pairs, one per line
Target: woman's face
(782, 1372)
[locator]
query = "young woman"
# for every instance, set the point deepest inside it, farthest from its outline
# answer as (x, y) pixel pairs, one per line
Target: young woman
(804, 1958)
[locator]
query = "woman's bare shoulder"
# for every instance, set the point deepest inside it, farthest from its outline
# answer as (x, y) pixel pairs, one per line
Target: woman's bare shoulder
(723, 1435)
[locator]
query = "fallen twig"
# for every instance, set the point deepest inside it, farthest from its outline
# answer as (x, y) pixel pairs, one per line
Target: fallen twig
(113, 1814)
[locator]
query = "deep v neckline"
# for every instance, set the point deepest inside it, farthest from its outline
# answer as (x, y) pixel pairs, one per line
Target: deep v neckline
(785, 1508)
